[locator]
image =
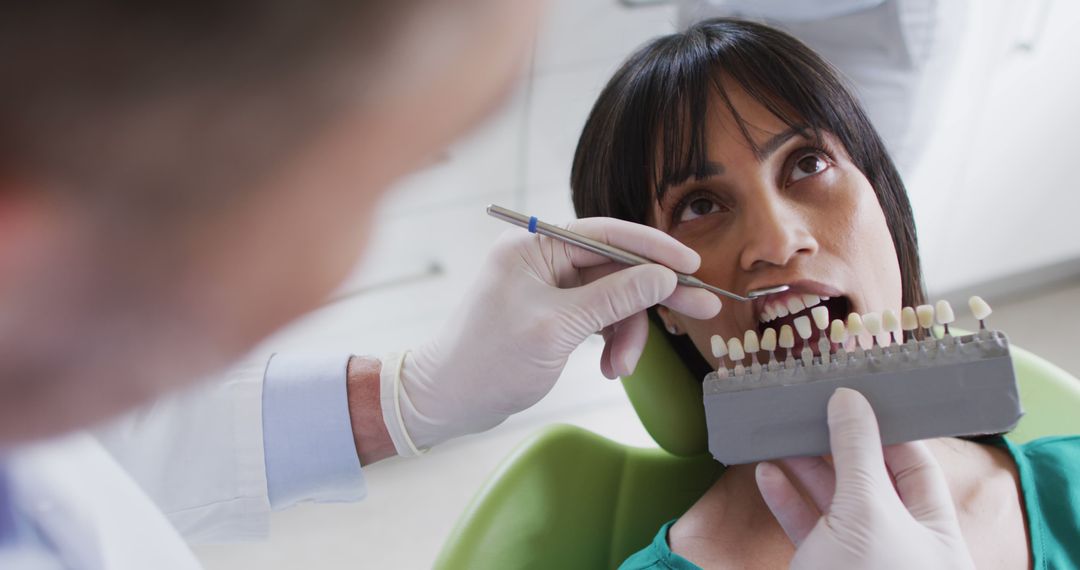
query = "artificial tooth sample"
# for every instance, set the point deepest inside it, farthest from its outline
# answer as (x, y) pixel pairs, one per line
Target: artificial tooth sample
(719, 350)
(855, 328)
(735, 351)
(909, 321)
(980, 309)
(838, 336)
(751, 346)
(750, 341)
(802, 326)
(768, 343)
(838, 332)
(794, 305)
(811, 300)
(872, 322)
(891, 323)
(926, 319)
(719, 347)
(943, 314)
(820, 315)
(787, 340)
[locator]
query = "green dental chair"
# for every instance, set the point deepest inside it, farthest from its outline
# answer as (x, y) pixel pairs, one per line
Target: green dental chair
(567, 498)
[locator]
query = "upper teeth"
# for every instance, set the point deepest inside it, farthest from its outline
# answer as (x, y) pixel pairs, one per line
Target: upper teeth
(791, 305)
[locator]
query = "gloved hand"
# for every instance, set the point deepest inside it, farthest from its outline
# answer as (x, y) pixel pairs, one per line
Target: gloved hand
(866, 521)
(535, 301)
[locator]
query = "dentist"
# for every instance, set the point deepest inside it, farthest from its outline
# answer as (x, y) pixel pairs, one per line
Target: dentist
(176, 182)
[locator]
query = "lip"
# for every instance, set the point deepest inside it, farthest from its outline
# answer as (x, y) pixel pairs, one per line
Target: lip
(800, 287)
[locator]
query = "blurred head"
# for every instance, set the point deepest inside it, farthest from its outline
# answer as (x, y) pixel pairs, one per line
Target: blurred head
(742, 143)
(178, 181)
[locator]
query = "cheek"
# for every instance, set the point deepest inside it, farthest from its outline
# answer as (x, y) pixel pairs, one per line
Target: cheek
(866, 243)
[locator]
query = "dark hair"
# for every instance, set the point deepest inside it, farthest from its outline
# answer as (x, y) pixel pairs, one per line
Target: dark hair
(153, 102)
(647, 128)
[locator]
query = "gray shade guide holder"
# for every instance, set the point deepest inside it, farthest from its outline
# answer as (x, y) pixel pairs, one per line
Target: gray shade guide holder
(954, 386)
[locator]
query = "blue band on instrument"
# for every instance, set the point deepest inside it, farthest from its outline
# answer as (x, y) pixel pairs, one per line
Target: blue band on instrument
(532, 224)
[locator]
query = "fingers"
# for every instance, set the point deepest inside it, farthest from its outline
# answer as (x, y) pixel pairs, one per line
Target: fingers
(855, 442)
(795, 516)
(815, 477)
(636, 238)
(920, 483)
(694, 302)
(620, 295)
(623, 345)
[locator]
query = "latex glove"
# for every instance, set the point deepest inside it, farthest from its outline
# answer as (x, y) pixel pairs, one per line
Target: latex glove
(535, 301)
(868, 522)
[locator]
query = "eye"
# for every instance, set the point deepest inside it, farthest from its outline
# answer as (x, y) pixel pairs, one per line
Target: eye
(807, 165)
(696, 207)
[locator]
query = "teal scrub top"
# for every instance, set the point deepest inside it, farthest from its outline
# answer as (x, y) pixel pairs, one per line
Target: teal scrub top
(1049, 470)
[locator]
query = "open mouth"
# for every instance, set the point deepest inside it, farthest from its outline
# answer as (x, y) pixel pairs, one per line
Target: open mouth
(811, 309)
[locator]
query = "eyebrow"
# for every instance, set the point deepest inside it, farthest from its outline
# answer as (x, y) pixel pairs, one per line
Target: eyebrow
(710, 168)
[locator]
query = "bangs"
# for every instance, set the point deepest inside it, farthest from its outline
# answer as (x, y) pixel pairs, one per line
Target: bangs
(704, 69)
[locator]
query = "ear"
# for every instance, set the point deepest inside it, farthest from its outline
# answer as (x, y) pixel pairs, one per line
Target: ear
(671, 320)
(31, 230)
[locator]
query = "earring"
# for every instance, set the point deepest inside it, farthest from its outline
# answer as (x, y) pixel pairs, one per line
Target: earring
(671, 328)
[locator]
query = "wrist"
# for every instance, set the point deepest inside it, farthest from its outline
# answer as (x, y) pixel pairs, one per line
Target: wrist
(372, 440)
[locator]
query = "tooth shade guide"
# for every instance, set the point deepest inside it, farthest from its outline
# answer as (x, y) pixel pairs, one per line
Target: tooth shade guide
(919, 380)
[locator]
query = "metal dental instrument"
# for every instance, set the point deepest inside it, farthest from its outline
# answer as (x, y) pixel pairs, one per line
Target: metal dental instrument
(611, 252)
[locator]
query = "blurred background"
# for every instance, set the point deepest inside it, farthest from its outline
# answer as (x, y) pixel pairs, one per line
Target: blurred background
(977, 100)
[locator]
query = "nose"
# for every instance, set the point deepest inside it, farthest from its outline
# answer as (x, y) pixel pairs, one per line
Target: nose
(776, 233)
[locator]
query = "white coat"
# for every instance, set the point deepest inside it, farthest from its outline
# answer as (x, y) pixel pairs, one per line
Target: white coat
(187, 469)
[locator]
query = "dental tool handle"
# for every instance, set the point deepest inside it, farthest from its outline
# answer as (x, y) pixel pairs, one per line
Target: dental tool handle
(607, 250)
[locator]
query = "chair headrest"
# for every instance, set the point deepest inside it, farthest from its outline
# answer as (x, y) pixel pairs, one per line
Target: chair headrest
(668, 399)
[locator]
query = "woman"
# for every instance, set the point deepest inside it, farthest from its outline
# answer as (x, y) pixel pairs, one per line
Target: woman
(743, 144)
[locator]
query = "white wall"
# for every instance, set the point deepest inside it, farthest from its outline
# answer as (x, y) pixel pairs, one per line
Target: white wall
(997, 191)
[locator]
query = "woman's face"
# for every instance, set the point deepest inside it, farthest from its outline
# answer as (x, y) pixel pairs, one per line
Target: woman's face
(799, 213)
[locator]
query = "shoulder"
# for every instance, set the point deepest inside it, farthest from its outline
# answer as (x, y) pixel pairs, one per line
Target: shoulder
(658, 555)
(1041, 457)
(1050, 479)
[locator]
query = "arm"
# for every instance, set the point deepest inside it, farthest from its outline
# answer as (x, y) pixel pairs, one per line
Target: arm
(372, 440)
(264, 436)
